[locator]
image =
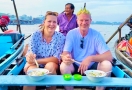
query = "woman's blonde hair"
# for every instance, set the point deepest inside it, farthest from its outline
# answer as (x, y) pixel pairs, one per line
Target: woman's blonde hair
(47, 14)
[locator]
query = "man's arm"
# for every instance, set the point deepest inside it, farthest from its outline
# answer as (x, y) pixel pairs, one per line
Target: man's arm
(100, 57)
(103, 51)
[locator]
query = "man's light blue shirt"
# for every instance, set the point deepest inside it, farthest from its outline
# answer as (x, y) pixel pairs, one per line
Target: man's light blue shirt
(93, 44)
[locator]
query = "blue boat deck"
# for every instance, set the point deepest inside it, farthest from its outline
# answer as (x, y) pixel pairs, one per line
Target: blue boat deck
(121, 79)
(57, 80)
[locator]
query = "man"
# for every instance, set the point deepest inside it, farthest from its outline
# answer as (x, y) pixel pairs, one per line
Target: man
(86, 46)
(67, 20)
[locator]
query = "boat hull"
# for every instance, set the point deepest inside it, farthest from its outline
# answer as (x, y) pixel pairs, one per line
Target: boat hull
(13, 51)
(122, 57)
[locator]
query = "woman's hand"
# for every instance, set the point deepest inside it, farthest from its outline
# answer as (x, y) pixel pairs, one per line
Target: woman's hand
(84, 65)
(67, 59)
(27, 65)
(30, 58)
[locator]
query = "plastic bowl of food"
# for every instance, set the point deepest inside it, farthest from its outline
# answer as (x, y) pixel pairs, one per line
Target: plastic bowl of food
(95, 75)
(67, 77)
(37, 74)
(77, 77)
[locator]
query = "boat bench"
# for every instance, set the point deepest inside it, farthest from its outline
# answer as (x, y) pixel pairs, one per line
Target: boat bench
(57, 80)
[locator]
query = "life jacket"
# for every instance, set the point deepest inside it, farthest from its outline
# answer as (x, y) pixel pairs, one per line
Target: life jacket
(125, 46)
(4, 20)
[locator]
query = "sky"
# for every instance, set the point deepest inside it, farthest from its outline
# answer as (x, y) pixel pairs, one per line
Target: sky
(101, 10)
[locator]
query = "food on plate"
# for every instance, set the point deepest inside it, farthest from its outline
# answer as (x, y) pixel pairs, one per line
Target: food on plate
(36, 73)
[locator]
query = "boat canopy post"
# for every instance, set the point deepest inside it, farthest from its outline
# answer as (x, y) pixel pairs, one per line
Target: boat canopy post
(119, 29)
(18, 23)
(119, 34)
(84, 5)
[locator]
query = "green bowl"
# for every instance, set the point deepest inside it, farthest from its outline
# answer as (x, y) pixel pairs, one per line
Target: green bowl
(77, 77)
(67, 77)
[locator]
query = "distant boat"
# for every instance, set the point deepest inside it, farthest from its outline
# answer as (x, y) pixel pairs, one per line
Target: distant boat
(123, 51)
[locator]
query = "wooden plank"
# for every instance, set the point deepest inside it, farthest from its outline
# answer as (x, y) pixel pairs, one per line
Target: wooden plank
(57, 80)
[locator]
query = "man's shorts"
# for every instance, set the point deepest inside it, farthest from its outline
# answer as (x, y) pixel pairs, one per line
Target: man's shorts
(93, 67)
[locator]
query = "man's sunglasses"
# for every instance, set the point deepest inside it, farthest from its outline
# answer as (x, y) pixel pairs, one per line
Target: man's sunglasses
(82, 41)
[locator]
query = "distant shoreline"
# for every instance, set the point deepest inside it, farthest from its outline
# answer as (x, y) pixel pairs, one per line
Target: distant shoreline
(40, 23)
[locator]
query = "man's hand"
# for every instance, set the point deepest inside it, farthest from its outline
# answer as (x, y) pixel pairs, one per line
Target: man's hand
(67, 59)
(84, 65)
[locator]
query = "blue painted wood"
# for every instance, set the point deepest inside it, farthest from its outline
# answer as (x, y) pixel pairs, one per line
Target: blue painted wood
(118, 72)
(57, 80)
(5, 44)
(125, 65)
(3, 88)
(5, 39)
(17, 68)
(9, 60)
(16, 44)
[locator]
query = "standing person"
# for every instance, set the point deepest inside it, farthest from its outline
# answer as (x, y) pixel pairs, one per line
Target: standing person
(86, 46)
(67, 19)
(46, 46)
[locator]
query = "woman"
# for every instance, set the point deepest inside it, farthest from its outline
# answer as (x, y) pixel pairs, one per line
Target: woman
(46, 46)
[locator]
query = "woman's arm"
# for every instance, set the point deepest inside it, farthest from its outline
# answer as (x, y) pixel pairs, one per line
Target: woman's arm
(49, 59)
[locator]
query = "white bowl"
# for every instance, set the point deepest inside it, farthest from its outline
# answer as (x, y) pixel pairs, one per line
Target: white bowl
(37, 74)
(95, 75)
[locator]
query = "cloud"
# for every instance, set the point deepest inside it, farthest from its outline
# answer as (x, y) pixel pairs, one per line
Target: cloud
(109, 10)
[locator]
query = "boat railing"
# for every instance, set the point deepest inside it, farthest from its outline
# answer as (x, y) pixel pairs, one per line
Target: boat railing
(119, 29)
(16, 44)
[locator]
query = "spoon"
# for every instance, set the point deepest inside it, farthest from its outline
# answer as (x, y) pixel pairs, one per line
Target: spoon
(36, 63)
(72, 59)
(35, 60)
(75, 61)
(108, 72)
(48, 73)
